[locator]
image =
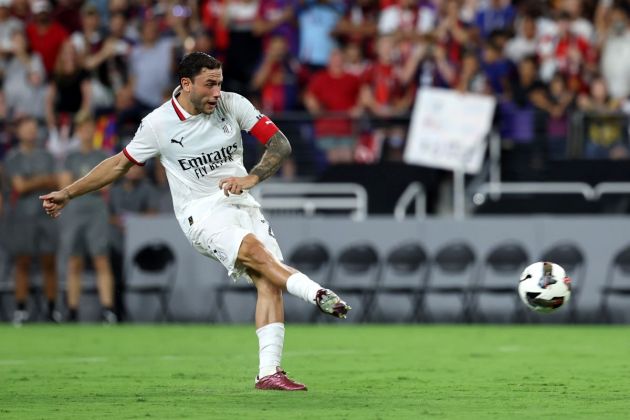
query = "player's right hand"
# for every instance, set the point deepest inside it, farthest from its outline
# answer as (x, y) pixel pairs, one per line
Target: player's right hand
(53, 202)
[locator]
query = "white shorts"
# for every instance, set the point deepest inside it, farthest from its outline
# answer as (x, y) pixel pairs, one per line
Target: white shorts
(219, 234)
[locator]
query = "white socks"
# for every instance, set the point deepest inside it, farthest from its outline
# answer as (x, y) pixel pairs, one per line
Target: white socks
(270, 343)
(271, 336)
(301, 286)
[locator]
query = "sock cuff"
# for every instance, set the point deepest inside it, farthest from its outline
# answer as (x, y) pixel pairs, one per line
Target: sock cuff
(274, 326)
(296, 277)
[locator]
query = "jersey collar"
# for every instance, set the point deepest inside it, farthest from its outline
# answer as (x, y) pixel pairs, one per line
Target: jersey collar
(179, 110)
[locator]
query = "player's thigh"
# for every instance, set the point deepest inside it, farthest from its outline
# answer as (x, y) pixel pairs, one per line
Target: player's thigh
(220, 235)
(97, 234)
(264, 233)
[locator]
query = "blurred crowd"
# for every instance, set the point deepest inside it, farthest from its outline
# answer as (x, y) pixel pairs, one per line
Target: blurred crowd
(338, 76)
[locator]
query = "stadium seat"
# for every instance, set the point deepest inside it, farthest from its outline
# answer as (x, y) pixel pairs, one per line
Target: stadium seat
(356, 272)
(313, 259)
(570, 257)
(405, 272)
(499, 275)
(616, 283)
(453, 271)
(152, 272)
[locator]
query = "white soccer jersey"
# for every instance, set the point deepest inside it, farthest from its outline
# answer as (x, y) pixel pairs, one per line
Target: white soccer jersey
(196, 150)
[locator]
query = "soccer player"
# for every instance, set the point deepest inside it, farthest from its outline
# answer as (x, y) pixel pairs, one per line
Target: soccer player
(197, 136)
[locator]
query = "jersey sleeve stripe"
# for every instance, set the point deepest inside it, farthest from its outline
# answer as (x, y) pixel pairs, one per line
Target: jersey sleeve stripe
(264, 129)
(131, 159)
(177, 111)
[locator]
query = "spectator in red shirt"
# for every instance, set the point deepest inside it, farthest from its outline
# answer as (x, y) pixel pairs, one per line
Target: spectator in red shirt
(334, 91)
(385, 96)
(45, 35)
(567, 53)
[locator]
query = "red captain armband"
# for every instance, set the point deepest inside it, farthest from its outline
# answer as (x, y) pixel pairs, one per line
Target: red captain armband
(264, 129)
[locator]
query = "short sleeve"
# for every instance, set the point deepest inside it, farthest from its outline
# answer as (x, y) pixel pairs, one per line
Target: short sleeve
(143, 146)
(245, 113)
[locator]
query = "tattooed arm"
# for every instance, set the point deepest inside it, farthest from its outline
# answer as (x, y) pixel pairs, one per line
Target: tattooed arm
(278, 149)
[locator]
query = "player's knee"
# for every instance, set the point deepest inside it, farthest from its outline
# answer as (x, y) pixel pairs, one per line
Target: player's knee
(253, 253)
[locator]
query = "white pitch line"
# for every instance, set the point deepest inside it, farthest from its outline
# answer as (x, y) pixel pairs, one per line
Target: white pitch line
(63, 360)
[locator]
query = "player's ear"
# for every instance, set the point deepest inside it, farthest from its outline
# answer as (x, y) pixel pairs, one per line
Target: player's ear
(186, 84)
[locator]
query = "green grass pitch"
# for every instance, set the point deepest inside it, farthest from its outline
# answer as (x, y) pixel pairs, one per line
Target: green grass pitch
(353, 372)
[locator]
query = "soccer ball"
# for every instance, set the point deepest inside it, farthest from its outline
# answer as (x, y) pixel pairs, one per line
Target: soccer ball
(544, 287)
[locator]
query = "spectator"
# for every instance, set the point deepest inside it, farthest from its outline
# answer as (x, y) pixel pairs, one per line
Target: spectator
(451, 33)
(149, 82)
(359, 26)
(498, 14)
(562, 101)
(85, 225)
(68, 14)
(21, 9)
(386, 98)
(496, 67)
(354, 60)
(525, 42)
(471, 77)
(605, 133)
(317, 20)
(23, 86)
(203, 41)
(579, 24)
(243, 54)
(566, 53)
(615, 61)
(521, 121)
(9, 25)
(408, 19)
(427, 65)
(88, 43)
(30, 173)
(69, 91)
(334, 91)
(45, 36)
(108, 63)
(212, 20)
(133, 195)
(277, 18)
(277, 80)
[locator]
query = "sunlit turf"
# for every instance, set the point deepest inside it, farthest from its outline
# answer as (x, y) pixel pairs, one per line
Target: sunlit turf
(353, 372)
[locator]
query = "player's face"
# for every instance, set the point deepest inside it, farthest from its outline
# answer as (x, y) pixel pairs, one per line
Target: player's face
(206, 90)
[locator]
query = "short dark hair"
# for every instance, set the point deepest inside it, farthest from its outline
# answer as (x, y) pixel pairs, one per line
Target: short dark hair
(192, 64)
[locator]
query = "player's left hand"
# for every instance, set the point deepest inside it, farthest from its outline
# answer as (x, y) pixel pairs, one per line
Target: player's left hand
(237, 184)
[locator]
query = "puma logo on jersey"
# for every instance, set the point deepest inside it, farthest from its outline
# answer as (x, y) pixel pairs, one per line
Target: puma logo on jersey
(180, 141)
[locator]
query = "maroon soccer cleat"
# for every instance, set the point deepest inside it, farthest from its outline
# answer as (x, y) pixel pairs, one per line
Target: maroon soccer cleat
(279, 381)
(329, 303)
